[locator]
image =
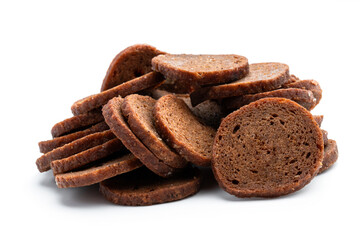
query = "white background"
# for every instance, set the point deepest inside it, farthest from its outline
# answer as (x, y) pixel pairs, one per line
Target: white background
(52, 54)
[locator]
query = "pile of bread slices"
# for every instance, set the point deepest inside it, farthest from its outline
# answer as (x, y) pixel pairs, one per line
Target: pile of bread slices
(161, 118)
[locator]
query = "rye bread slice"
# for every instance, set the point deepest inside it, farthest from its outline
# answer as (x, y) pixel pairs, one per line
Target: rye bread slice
(108, 168)
(135, 85)
(49, 145)
(77, 123)
(142, 187)
(209, 112)
(310, 85)
(182, 130)
(261, 77)
(194, 71)
(115, 120)
(268, 148)
(331, 154)
(130, 63)
(79, 145)
(301, 96)
(138, 111)
(90, 155)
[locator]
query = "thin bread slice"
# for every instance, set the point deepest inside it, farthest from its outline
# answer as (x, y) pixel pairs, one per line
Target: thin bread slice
(182, 130)
(49, 145)
(115, 120)
(331, 154)
(142, 187)
(194, 71)
(135, 85)
(303, 97)
(106, 169)
(310, 85)
(130, 63)
(79, 145)
(209, 112)
(90, 155)
(138, 111)
(261, 77)
(77, 123)
(269, 148)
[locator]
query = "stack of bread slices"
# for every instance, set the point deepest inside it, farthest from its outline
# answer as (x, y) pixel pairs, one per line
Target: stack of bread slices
(161, 118)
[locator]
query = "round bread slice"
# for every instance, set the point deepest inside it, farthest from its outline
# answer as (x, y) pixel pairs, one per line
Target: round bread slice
(209, 112)
(79, 145)
(142, 187)
(138, 111)
(261, 77)
(182, 130)
(130, 63)
(303, 97)
(135, 85)
(197, 70)
(77, 123)
(107, 168)
(268, 148)
(49, 145)
(115, 120)
(331, 154)
(90, 155)
(310, 85)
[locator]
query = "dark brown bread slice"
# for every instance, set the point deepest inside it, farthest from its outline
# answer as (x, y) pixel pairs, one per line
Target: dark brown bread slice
(268, 148)
(148, 80)
(209, 112)
(138, 111)
(331, 154)
(90, 155)
(262, 77)
(79, 145)
(181, 129)
(95, 174)
(142, 187)
(303, 97)
(130, 63)
(115, 120)
(49, 145)
(197, 70)
(75, 123)
(310, 85)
